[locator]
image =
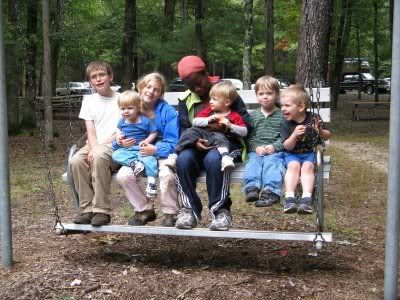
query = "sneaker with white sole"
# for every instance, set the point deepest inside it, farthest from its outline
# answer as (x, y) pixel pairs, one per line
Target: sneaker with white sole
(151, 190)
(223, 220)
(186, 219)
(138, 169)
(170, 162)
(227, 163)
(305, 206)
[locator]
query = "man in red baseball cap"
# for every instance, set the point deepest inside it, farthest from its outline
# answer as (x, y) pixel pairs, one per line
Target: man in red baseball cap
(189, 163)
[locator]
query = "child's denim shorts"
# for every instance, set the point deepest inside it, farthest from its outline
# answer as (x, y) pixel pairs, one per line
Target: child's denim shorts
(301, 158)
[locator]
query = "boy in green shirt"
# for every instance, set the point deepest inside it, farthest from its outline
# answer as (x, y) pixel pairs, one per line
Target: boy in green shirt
(262, 178)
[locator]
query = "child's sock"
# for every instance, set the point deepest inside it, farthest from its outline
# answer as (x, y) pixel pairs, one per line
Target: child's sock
(306, 195)
(151, 179)
(289, 194)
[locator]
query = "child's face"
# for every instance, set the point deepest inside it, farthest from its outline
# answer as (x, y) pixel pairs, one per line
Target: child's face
(151, 93)
(101, 82)
(219, 104)
(129, 112)
(292, 111)
(266, 98)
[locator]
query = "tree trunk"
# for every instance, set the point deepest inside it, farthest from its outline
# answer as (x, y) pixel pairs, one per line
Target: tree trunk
(55, 44)
(341, 47)
(315, 25)
(166, 34)
(48, 109)
(185, 11)
(13, 54)
(391, 5)
(128, 41)
(376, 58)
(269, 37)
(248, 43)
(28, 120)
(359, 59)
(198, 29)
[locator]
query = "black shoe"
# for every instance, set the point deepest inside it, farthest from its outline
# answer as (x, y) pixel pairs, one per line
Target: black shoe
(305, 206)
(84, 218)
(142, 217)
(100, 219)
(290, 206)
(252, 193)
(267, 198)
(169, 220)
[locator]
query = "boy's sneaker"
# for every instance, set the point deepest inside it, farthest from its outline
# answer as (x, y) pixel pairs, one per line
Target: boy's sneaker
(223, 221)
(85, 218)
(290, 206)
(227, 163)
(267, 198)
(170, 162)
(138, 168)
(252, 193)
(186, 219)
(151, 190)
(100, 219)
(305, 206)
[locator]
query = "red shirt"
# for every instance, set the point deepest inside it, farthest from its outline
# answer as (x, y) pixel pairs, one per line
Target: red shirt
(233, 116)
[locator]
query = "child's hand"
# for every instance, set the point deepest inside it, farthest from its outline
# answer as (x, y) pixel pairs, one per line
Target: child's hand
(225, 122)
(143, 144)
(269, 149)
(299, 131)
(317, 126)
(212, 119)
(260, 150)
(124, 142)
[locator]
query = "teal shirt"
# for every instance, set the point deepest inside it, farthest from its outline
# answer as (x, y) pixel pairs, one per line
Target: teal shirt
(265, 130)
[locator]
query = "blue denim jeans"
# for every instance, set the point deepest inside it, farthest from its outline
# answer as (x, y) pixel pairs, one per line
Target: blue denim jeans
(126, 156)
(264, 172)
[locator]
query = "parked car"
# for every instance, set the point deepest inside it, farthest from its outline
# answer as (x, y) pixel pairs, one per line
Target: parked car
(74, 88)
(236, 82)
(177, 85)
(350, 82)
(116, 88)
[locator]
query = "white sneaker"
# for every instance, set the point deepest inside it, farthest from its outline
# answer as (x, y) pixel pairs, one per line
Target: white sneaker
(138, 169)
(223, 221)
(170, 162)
(186, 219)
(227, 163)
(151, 190)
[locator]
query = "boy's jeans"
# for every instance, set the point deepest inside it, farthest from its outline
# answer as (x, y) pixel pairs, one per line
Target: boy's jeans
(126, 156)
(264, 172)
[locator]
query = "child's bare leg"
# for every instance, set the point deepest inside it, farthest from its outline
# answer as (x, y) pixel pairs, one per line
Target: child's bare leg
(307, 177)
(292, 176)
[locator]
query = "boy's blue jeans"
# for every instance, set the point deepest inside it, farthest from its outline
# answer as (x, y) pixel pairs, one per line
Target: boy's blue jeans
(264, 172)
(126, 156)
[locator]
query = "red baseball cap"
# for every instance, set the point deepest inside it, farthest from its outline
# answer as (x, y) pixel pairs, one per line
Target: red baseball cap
(189, 65)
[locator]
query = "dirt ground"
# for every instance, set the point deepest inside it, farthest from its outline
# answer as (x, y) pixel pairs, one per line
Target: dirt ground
(117, 266)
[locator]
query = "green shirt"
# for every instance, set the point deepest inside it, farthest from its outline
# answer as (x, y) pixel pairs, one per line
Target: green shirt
(265, 130)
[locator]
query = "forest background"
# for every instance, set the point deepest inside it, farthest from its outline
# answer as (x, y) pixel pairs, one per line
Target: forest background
(238, 39)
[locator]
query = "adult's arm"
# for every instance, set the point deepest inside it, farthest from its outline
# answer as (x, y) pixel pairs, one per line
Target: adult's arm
(183, 114)
(240, 107)
(171, 133)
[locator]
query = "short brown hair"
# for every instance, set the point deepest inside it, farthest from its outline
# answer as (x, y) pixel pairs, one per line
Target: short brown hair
(98, 65)
(130, 98)
(267, 83)
(142, 82)
(299, 94)
(224, 89)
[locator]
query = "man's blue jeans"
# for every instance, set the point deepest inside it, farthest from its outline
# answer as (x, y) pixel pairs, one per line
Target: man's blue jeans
(264, 172)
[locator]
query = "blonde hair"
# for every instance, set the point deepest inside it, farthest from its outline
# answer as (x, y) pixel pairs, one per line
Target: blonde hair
(157, 77)
(267, 83)
(224, 89)
(299, 94)
(98, 65)
(130, 98)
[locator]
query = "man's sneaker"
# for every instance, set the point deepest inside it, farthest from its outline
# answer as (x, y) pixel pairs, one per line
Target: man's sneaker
(267, 198)
(169, 220)
(138, 168)
(305, 206)
(290, 206)
(142, 217)
(223, 220)
(186, 219)
(251, 193)
(151, 190)
(227, 163)
(170, 162)
(84, 218)
(100, 219)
